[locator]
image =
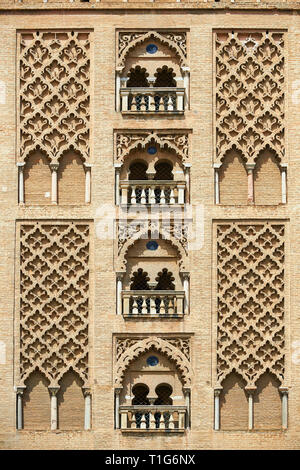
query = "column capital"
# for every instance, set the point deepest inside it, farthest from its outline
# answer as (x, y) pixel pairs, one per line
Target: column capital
(250, 166)
(283, 166)
(250, 389)
(120, 275)
(21, 165)
(284, 390)
(54, 166)
(87, 166)
(118, 390)
(217, 166)
(217, 390)
(118, 166)
(20, 389)
(86, 390)
(185, 275)
(186, 391)
(53, 390)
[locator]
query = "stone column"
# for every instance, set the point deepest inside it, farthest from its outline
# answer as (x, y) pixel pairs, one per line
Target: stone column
(186, 83)
(186, 288)
(120, 276)
(187, 167)
(118, 86)
(87, 407)
(20, 391)
(54, 168)
(187, 395)
(283, 168)
(124, 95)
(117, 183)
(88, 167)
(250, 167)
(21, 166)
(250, 392)
(284, 406)
(217, 167)
(53, 391)
(217, 408)
(117, 406)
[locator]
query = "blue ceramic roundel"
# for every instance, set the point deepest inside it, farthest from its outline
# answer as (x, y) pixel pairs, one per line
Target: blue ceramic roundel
(152, 361)
(152, 150)
(151, 48)
(152, 245)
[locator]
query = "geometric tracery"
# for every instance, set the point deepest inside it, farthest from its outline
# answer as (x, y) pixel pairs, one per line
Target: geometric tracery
(54, 93)
(54, 283)
(249, 93)
(250, 270)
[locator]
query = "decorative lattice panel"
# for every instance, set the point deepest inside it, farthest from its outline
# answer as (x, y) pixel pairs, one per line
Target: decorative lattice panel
(54, 288)
(54, 93)
(249, 93)
(250, 279)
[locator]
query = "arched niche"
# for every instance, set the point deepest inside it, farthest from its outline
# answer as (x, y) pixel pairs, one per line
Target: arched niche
(233, 180)
(233, 403)
(37, 179)
(70, 402)
(143, 55)
(152, 369)
(139, 256)
(267, 179)
(151, 160)
(71, 179)
(36, 402)
(267, 403)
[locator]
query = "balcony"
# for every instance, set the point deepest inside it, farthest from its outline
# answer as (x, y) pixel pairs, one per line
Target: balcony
(152, 192)
(153, 418)
(155, 303)
(168, 100)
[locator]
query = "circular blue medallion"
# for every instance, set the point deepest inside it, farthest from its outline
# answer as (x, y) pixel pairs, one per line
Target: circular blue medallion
(151, 48)
(152, 150)
(152, 361)
(152, 245)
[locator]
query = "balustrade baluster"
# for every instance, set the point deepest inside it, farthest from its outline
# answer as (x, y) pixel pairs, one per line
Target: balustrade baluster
(133, 195)
(152, 196)
(162, 309)
(171, 421)
(172, 197)
(152, 103)
(133, 421)
(143, 197)
(133, 106)
(152, 420)
(135, 309)
(171, 306)
(162, 196)
(170, 103)
(144, 305)
(161, 104)
(152, 305)
(143, 421)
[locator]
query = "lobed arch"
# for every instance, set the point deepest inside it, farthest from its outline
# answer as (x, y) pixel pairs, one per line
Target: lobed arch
(139, 39)
(123, 250)
(177, 143)
(161, 346)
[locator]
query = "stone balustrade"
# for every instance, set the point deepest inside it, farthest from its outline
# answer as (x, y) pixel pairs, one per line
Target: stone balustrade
(153, 417)
(143, 303)
(152, 192)
(152, 100)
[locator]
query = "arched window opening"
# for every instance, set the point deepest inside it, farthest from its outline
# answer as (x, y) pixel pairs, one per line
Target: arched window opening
(70, 402)
(36, 402)
(164, 171)
(165, 77)
(139, 280)
(165, 280)
(137, 77)
(137, 171)
(140, 393)
(163, 392)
